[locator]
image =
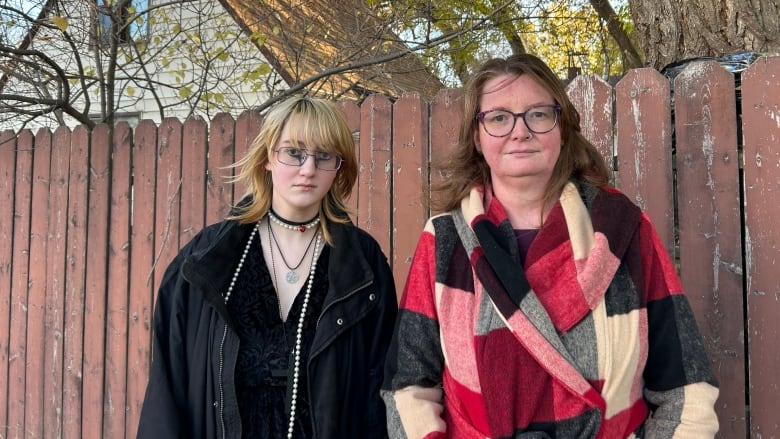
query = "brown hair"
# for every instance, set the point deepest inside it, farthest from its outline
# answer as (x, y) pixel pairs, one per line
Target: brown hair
(467, 168)
(319, 123)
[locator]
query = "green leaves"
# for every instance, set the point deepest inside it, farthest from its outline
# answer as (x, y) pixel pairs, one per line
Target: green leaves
(185, 92)
(60, 22)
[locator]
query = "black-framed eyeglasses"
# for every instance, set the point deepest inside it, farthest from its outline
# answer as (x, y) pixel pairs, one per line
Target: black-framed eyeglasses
(539, 120)
(292, 156)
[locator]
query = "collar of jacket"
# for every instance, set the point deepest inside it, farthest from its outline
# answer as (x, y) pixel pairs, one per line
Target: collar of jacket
(211, 266)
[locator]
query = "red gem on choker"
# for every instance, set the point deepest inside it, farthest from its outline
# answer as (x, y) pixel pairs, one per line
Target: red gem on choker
(293, 225)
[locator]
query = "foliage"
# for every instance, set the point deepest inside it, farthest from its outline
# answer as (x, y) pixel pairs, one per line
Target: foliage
(569, 34)
(92, 62)
(101, 60)
(566, 33)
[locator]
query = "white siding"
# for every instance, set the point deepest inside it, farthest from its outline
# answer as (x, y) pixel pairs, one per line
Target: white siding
(202, 28)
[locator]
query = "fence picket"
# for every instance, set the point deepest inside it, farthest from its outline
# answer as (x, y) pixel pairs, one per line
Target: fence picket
(168, 195)
(446, 111)
(193, 177)
(95, 282)
(761, 129)
(55, 277)
(75, 269)
(13, 300)
(375, 169)
(118, 290)
(142, 256)
(34, 409)
(246, 129)
(219, 193)
(644, 147)
(709, 228)
(410, 180)
(592, 96)
(17, 346)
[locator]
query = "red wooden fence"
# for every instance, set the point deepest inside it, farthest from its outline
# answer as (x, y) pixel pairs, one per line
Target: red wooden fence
(89, 220)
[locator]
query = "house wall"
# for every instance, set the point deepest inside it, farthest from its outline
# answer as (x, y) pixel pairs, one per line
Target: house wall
(191, 60)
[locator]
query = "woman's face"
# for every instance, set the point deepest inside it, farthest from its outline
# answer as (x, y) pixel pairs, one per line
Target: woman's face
(521, 154)
(297, 190)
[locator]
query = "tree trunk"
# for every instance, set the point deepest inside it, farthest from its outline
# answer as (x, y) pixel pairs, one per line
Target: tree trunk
(672, 30)
(607, 14)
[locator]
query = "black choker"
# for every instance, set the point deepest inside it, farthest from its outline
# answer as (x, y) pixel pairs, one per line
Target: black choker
(293, 225)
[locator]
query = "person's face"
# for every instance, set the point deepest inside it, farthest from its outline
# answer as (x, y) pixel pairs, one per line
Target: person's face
(297, 190)
(521, 153)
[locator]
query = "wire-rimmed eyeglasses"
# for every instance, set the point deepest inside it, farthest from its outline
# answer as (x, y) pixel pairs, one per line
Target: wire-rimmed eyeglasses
(292, 156)
(539, 120)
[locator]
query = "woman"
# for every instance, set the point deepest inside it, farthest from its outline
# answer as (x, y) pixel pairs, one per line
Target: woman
(542, 303)
(275, 322)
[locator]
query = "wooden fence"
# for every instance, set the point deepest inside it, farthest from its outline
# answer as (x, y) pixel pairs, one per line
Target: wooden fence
(86, 229)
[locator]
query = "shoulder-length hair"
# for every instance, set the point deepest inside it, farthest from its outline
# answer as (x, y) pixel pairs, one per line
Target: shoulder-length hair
(316, 123)
(467, 168)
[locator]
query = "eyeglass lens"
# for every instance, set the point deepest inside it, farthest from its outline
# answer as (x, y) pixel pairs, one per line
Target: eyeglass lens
(297, 157)
(540, 119)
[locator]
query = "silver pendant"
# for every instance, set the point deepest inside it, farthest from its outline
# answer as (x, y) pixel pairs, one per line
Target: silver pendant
(292, 277)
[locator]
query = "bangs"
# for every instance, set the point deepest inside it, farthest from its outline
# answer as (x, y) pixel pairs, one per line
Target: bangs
(315, 131)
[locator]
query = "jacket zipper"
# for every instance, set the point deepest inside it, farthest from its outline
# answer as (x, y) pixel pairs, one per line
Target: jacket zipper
(221, 390)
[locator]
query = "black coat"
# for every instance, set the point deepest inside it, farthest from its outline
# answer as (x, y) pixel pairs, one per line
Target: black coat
(191, 392)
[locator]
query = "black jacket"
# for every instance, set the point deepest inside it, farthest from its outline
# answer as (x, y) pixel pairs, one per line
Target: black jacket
(191, 392)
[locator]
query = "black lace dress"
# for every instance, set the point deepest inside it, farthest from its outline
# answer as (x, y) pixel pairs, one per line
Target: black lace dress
(266, 343)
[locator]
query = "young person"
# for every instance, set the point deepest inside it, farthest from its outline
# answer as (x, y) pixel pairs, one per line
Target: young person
(542, 304)
(275, 322)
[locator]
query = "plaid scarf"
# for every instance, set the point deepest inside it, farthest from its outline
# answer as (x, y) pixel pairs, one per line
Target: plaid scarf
(566, 345)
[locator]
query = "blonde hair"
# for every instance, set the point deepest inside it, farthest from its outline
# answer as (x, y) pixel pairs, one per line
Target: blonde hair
(316, 123)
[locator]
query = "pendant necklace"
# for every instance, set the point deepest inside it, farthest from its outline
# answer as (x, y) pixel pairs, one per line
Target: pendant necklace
(292, 276)
(296, 354)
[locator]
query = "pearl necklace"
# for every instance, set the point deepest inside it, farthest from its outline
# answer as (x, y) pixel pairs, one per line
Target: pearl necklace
(293, 225)
(255, 230)
(299, 331)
